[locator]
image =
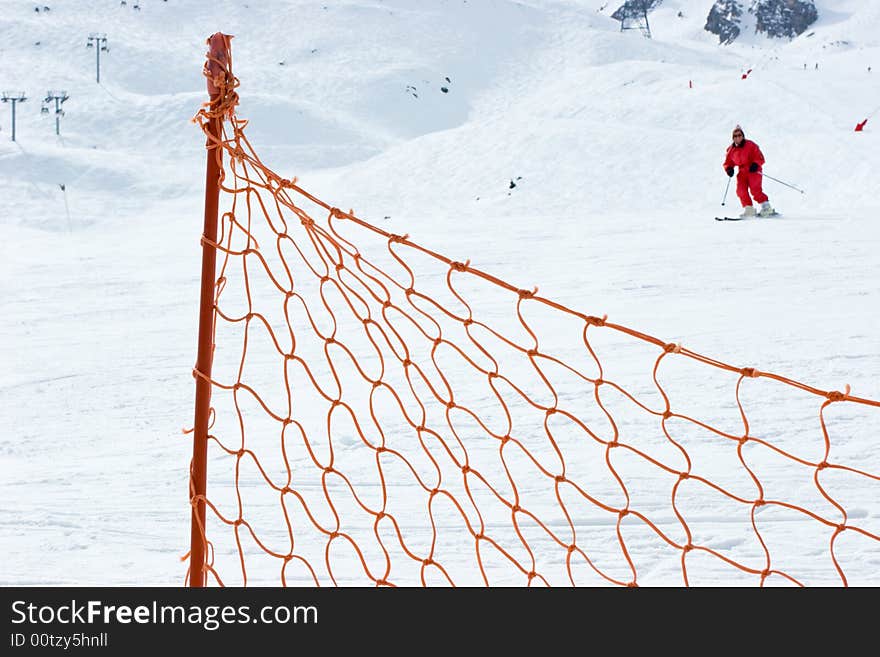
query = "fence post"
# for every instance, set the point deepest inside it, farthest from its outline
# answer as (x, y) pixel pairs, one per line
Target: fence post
(216, 66)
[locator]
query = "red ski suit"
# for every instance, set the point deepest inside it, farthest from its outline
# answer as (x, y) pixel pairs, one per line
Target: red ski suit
(742, 156)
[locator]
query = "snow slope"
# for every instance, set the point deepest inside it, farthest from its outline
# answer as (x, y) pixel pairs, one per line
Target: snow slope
(615, 143)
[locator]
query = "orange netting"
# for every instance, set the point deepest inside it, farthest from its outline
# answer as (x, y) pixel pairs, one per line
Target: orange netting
(384, 415)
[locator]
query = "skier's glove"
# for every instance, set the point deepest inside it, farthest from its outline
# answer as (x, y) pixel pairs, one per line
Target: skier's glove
(753, 167)
(729, 171)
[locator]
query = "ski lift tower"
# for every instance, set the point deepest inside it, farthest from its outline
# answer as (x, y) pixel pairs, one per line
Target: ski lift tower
(633, 15)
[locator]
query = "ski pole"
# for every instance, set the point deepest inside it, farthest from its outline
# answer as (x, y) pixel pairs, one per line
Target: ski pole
(784, 183)
(729, 178)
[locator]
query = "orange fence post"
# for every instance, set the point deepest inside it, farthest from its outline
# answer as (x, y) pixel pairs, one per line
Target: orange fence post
(217, 58)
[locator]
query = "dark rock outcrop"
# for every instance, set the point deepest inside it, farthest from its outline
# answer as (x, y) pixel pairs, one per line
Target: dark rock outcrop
(723, 20)
(775, 18)
(784, 18)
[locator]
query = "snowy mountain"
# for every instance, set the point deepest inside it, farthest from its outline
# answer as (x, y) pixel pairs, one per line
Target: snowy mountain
(533, 138)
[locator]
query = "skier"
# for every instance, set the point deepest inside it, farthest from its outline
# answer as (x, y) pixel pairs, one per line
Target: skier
(746, 155)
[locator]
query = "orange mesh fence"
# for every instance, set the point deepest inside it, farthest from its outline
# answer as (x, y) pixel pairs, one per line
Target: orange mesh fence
(382, 415)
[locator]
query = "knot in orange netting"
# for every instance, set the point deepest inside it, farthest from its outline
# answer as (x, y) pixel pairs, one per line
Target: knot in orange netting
(384, 415)
(221, 82)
